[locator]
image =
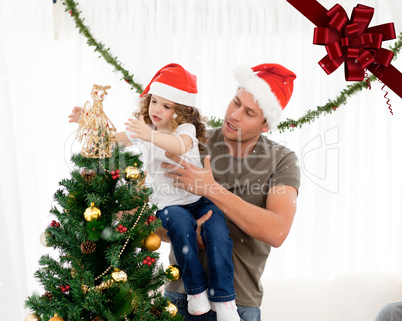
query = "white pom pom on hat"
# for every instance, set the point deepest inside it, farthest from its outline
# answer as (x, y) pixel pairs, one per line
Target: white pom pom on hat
(271, 85)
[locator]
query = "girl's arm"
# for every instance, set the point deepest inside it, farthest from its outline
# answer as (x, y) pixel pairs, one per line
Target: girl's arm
(171, 143)
(174, 144)
(122, 138)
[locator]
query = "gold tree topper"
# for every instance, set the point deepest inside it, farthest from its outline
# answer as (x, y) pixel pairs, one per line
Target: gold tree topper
(95, 128)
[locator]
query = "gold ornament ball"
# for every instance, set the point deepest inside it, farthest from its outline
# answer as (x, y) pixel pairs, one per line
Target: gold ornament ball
(172, 309)
(152, 242)
(43, 239)
(174, 271)
(32, 317)
(119, 276)
(92, 213)
(56, 318)
(132, 172)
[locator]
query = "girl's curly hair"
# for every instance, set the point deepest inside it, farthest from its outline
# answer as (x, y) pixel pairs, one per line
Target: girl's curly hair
(185, 114)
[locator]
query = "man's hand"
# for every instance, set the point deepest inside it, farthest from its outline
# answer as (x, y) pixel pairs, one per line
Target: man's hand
(139, 128)
(162, 232)
(196, 180)
(201, 221)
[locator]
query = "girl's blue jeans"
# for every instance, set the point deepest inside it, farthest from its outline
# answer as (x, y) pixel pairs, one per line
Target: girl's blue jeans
(181, 224)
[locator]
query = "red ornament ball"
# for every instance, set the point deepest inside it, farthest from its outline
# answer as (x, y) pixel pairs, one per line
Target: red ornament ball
(115, 174)
(121, 229)
(149, 261)
(54, 224)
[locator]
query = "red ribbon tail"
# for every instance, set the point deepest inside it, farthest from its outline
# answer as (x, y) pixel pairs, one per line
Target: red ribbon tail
(312, 10)
(390, 76)
(388, 103)
(367, 79)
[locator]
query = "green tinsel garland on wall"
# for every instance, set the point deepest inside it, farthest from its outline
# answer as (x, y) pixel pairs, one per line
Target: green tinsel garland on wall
(341, 99)
(71, 7)
(310, 115)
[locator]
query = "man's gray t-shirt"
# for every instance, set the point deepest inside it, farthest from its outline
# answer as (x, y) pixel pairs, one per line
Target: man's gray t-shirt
(269, 164)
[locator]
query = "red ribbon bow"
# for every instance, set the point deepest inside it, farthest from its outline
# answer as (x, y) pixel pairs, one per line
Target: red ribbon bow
(352, 42)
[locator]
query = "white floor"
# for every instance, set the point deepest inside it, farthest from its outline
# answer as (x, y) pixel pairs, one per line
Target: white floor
(351, 297)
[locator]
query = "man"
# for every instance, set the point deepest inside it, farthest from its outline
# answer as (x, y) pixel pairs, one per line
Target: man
(252, 179)
(390, 312)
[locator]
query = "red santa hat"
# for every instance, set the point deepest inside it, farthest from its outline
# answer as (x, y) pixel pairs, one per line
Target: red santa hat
(271, 85)
(174, 83)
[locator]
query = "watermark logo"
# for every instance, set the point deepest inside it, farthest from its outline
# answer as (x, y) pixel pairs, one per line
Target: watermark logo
(71, 146)
(320, 160)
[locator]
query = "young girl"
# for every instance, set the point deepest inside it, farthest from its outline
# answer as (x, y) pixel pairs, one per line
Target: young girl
(169, 121)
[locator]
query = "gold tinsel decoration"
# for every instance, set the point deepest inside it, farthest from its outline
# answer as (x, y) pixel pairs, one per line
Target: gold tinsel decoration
(73, 273)
(92, 213)
(152, 242)
(97, 319)
(118, 276)
(103, 286)
(95, 128)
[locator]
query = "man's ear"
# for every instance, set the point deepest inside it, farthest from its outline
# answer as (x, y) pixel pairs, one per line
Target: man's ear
(265, 129)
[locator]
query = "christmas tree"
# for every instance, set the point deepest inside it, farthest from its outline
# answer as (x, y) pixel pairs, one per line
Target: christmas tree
(104, 233)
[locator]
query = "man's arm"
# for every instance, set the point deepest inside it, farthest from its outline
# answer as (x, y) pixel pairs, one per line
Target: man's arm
(270, 224)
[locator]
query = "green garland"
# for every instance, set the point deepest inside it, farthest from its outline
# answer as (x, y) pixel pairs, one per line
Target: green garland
(71, 7)
(290, 124)
(333, 105)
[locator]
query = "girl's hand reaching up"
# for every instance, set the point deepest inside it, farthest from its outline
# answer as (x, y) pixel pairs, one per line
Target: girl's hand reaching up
(139, 128)
(76, 115)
